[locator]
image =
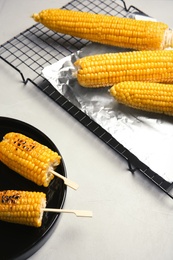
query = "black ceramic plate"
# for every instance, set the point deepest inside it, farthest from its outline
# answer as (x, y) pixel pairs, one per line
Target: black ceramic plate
(18, 241)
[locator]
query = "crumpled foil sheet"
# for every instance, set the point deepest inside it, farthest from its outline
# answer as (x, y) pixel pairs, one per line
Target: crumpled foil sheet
(148, 136)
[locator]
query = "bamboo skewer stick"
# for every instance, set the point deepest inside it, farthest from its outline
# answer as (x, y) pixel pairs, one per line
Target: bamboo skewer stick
(78, 213)
(67, 182)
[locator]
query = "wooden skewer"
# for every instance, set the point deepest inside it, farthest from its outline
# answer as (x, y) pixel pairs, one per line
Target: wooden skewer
(67, 182)
(78, 213)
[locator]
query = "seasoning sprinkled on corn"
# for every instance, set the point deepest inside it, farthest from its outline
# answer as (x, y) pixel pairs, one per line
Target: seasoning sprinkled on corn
(107, 29)
(29, 158)
(108, 69)
(152, 97)
(22, 207)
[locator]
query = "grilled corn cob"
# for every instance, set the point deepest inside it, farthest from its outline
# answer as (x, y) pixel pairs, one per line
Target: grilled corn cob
(106, 29)
(29, 158)
(108, 69)
(152, 97)
(22, 207)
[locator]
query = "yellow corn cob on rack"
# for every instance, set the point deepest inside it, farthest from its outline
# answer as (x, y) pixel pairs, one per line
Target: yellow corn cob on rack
(108, 69)
(106, 29)
(22, 207)
(29, 158)
(152, 97)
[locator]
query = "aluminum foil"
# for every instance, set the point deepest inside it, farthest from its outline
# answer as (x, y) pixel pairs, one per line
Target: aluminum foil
(148, 136)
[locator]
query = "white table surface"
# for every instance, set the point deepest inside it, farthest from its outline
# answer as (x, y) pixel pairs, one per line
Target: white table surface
(132, 219)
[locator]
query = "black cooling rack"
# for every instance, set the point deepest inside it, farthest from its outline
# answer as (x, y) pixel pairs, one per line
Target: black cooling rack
(33, 49)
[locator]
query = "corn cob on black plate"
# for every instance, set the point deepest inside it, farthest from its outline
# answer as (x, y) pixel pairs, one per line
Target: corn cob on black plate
(18, 241)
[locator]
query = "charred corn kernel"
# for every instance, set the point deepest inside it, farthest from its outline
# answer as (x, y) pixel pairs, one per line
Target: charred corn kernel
(108, 69)
(152, 97)
(29, 158)
(22, 207)
(106, 29)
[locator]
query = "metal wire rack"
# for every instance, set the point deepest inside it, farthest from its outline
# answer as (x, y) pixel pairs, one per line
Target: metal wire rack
(36, 47)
